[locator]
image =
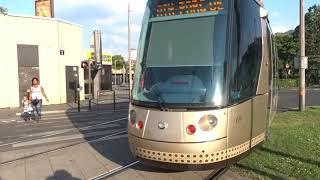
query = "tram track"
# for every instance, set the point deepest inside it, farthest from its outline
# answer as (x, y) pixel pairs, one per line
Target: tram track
(114, 171)
(216, 174)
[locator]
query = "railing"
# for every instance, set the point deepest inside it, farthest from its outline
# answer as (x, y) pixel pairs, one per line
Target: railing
(114, 97)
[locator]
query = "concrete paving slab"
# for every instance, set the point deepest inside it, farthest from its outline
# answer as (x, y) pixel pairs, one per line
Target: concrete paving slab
(39, 168)
(86, 162)
(187, 175)
(21, 153)
(64, 166)
(109, 165)
(13, 171)
(152, 173)
(129, 174)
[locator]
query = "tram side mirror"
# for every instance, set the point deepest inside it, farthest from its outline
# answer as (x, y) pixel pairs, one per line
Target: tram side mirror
(263, 13)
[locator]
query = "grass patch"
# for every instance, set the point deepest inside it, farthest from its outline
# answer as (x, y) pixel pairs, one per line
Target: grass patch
(291, 152)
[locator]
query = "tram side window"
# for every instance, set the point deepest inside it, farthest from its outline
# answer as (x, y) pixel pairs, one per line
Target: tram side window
(246, 51)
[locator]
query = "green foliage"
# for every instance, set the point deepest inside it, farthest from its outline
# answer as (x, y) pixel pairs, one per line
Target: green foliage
(287, 46)
(118, 61)
(313, 31)
(292, 151)
(3, 10)
(288, 83)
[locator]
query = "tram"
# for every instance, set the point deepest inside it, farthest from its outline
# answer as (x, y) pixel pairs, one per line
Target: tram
(205, 85)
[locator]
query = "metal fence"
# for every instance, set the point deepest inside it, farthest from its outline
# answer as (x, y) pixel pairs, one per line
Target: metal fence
(117, 98)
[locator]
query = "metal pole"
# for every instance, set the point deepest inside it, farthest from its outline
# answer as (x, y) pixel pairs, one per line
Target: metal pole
(129, 50)
(114, 100)
(78, 101)
(52, 8)
(302, 88)
(98, 58)
(90, 90)
(115, 74)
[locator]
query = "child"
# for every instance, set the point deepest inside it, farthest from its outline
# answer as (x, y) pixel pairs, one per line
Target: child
(27, 109)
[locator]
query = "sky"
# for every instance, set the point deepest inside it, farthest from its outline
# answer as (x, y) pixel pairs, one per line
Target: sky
(110, 16)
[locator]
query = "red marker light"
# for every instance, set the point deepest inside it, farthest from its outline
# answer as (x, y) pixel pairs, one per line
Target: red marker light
(191, 129)
(140, 125)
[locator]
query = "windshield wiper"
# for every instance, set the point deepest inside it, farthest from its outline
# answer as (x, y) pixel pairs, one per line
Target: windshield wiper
(162, 104)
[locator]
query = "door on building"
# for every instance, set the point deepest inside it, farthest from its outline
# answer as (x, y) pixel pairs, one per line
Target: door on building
(28, 67)
(72, 83)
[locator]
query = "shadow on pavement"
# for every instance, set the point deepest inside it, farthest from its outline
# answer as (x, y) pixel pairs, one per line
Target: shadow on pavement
(115, 148)
(62, 175)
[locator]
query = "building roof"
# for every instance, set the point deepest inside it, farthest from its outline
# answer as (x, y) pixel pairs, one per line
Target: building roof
(44, 18)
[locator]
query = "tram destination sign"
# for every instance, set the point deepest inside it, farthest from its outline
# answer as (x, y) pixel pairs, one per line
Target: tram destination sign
(180, 7)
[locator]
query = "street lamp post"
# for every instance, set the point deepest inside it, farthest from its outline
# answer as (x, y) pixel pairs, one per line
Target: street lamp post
(302, 83)
(129, 50)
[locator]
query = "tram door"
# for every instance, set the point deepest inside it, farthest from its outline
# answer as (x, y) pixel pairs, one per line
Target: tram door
(72, 83)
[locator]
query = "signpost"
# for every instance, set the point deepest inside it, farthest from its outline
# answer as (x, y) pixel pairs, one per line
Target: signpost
(303, 60)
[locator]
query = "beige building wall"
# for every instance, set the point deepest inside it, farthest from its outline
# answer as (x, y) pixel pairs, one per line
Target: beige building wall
(50, 35)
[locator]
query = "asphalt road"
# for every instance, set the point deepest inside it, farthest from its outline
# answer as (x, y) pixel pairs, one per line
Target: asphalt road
(289, 100)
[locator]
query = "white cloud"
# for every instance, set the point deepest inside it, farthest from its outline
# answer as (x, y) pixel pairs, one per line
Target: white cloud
(275, 14)
(105, 21)
(279, 29)
(115, 6)
(109, 16)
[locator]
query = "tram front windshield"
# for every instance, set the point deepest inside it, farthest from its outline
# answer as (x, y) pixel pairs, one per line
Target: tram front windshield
(182, 61)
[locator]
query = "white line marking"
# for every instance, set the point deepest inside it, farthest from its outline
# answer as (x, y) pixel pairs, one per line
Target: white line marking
(106, 137)
(73, 111)
(62, 138)
(10, 143)
(84, 128)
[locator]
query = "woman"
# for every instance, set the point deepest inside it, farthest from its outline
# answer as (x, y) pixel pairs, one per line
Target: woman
(35, 96)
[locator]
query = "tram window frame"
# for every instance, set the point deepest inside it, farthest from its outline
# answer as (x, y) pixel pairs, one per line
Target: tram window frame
(142, 65)
(246, 51)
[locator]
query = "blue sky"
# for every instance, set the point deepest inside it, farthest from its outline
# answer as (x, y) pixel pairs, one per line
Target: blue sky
(110, 16)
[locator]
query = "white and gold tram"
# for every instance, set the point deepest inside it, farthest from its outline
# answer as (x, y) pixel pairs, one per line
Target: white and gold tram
(204, 91)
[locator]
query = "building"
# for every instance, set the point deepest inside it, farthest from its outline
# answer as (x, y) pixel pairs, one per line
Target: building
(48, 48)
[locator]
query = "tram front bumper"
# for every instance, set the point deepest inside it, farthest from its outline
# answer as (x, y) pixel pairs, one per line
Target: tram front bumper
(179, 153)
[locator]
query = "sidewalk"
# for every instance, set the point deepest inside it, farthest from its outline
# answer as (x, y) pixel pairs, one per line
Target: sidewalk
(68, 108)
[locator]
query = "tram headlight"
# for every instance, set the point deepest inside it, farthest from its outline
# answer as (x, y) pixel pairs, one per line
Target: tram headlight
(133, 117)
(208, 122)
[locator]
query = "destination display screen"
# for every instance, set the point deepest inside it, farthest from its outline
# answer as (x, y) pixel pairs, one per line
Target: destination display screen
(180, 7)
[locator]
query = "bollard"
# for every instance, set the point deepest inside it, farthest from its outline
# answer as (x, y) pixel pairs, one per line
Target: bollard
(114, 101)
(89, 104)
(78, 101)
(98, 97)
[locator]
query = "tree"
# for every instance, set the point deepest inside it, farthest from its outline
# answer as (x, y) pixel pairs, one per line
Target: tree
(287, 46)
(117, 61)
(313, 31)
(3, 10)
(312, 22)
